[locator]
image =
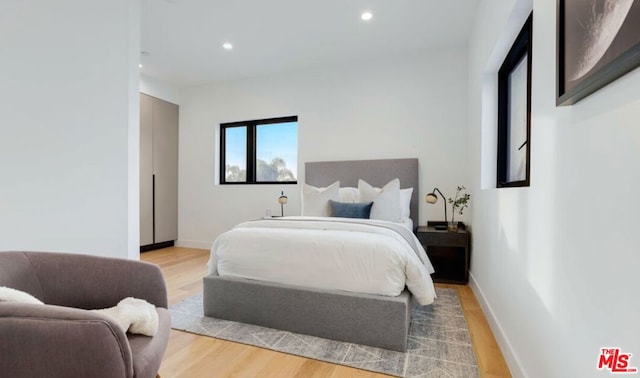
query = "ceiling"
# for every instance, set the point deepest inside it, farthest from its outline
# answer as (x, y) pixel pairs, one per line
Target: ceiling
(181, 40)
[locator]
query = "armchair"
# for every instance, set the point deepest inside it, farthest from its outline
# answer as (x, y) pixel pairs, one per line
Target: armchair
(62, 338)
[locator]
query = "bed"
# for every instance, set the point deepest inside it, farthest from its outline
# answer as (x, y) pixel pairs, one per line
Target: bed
(356, 316)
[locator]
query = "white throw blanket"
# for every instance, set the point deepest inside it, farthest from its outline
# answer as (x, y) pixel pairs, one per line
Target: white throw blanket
(131, 314)
(134, 316)
(8, 294)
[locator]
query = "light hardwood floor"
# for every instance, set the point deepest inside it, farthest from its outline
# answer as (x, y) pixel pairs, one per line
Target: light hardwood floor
(195, 356)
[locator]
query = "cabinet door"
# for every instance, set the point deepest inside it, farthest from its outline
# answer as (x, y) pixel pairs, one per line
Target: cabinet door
(146, 170)
(165, 167)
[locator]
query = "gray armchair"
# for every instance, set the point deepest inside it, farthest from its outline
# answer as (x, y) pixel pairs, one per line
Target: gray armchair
(62, 338)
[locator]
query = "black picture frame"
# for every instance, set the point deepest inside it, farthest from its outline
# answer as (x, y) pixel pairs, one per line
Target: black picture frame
(587, 61)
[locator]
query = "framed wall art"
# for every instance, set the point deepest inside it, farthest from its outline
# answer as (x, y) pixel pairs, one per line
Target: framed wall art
(597, 42)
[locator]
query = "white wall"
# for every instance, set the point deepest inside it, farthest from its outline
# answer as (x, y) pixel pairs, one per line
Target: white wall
(158, 89)
(401, 107)
(69, 126)
(555, 265)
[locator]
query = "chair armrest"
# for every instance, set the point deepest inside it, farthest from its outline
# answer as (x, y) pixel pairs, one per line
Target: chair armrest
(53, 341)
(93, 282)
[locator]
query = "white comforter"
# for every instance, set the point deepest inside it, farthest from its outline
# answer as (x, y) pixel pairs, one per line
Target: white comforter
(363, 256)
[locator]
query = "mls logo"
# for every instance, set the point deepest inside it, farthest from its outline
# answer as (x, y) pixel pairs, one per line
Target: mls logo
(615, 361)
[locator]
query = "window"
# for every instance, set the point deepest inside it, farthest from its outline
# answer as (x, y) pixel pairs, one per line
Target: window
(514, 112)
(259, 152)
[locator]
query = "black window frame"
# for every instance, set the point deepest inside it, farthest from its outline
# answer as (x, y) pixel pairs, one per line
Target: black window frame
(523, 45)
(251, 150)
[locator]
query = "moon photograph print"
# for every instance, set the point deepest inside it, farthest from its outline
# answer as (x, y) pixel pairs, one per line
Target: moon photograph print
(599, 41)
(599, 24)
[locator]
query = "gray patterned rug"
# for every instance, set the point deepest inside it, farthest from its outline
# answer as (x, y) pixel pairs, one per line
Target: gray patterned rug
(439, 343)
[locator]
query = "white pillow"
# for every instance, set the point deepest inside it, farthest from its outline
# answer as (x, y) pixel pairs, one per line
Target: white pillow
(386, 201)
(348, 195)
(315, 201)
(8, 294)
(405, 203)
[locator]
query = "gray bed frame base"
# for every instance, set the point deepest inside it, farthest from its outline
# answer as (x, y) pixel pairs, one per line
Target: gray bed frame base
(373, 320)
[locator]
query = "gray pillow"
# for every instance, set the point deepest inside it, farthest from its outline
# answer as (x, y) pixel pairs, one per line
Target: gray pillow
(350, 210)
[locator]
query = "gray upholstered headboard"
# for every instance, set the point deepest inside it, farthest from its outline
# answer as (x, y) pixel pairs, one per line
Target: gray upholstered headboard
(375, 172)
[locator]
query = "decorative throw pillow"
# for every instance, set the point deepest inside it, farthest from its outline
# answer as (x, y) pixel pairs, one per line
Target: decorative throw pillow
(386, 200)
(350, 210)
(315, 201)
(8, 294)
(405, 203)
(348, 194)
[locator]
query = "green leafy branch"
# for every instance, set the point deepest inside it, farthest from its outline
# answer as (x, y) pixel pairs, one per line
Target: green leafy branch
(459, 202)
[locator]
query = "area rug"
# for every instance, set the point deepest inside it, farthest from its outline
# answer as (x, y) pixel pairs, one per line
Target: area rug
(439, 343)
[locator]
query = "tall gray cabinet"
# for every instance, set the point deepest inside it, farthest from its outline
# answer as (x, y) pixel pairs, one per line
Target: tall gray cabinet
(158, 173)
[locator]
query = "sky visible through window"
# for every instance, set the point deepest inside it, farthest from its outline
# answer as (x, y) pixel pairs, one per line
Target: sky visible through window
(236, 146)
(276, 140)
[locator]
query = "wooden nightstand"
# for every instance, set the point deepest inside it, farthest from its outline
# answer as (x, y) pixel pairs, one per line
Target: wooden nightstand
(449, 253)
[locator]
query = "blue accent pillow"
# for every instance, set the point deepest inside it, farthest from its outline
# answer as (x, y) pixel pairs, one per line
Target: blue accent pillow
(350, 210)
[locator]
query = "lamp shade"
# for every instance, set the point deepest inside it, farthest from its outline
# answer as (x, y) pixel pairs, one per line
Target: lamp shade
(431, 198)
(282, 200)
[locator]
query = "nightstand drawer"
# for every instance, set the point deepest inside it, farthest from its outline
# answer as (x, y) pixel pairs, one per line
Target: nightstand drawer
(445, 238)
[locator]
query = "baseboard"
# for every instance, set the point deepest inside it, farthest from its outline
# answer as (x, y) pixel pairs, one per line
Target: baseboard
(194, 244)
(503, 341)
(153, 247)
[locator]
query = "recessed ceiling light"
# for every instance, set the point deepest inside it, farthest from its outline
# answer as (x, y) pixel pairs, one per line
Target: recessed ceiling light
(227, 46)
(139, 65)
(366, 16)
